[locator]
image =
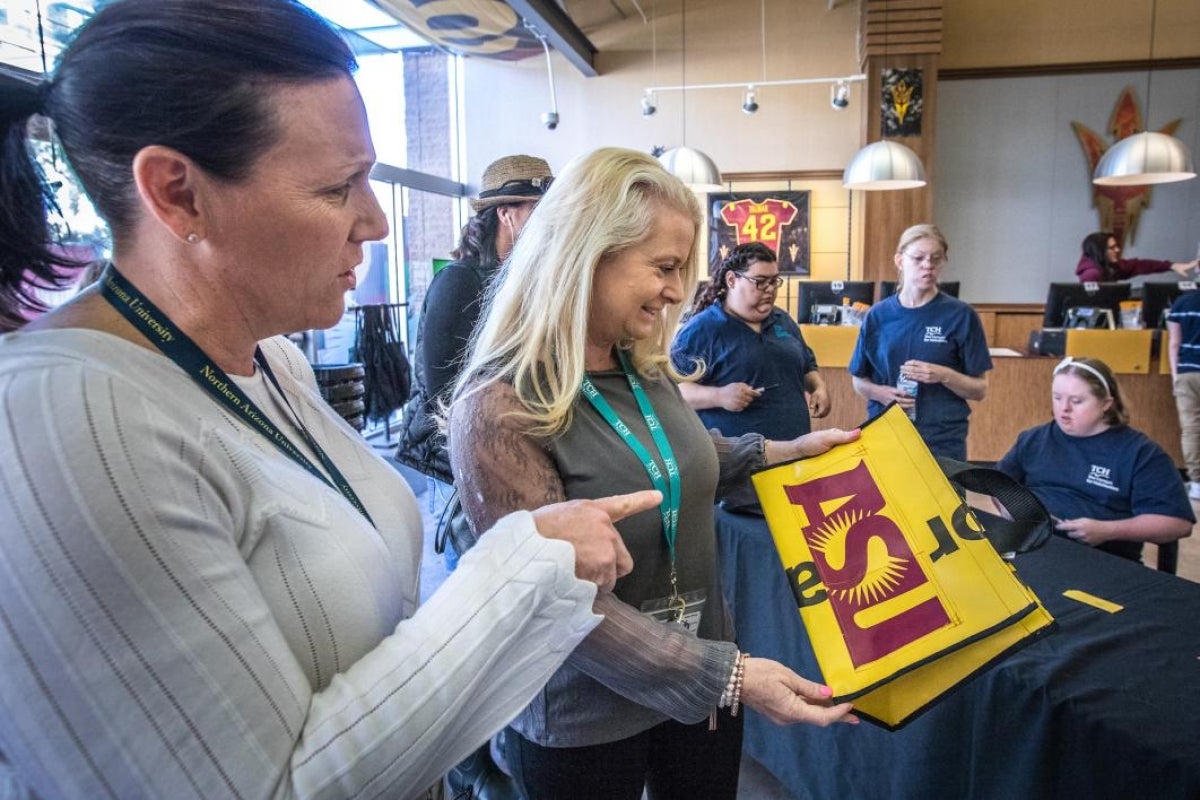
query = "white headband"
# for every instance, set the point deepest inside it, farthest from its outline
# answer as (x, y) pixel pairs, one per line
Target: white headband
(1071, 362)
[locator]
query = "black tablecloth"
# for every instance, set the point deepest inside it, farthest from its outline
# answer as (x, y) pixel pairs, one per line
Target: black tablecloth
(1108, 705)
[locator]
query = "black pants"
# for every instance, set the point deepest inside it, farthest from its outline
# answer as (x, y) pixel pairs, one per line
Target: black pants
(669, 761)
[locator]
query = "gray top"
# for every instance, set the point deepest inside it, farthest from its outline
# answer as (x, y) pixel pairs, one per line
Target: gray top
(632, 672)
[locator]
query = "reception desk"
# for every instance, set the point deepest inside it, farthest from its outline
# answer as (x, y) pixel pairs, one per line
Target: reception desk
(1019, 392)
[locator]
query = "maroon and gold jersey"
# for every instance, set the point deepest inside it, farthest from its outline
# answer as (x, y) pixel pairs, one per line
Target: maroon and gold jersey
(759, 222)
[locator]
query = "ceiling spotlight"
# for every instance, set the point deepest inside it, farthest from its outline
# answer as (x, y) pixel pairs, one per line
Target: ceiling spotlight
(648, 107)
(750, 105)
(839, 95)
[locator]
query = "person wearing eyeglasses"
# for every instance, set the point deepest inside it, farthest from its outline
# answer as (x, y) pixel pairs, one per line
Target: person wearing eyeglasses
(1101, 261)
(509, 189)
(757, 374)
(1106, 484)
(923, 349)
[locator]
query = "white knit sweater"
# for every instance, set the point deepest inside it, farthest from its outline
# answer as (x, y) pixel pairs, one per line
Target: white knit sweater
(185, 612)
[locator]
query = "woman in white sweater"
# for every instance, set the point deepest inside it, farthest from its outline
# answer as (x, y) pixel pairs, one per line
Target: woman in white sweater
(208, 583)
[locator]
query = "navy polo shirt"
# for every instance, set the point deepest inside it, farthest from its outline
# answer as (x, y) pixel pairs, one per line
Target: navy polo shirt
(1186, 311)
(944, 331)
(1117, 474)
(733, 352)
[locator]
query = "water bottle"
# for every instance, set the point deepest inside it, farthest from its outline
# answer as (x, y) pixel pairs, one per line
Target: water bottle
(909, 387)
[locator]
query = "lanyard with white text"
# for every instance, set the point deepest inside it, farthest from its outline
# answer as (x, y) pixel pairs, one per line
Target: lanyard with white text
(177, 346)
(669, 486)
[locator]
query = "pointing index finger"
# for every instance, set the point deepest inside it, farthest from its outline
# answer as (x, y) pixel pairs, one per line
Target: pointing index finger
(620, 506)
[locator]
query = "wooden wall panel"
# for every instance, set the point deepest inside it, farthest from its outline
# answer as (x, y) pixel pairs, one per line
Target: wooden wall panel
(1019, 398)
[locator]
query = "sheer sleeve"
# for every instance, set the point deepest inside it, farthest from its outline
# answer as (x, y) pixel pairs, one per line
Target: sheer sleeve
(738, 456)
(502, 469)
(144, 643)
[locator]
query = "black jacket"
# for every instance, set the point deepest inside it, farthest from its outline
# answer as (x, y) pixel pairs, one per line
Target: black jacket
(451, 309)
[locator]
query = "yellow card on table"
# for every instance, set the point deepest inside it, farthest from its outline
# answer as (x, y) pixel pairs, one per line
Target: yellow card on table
(1080, 596)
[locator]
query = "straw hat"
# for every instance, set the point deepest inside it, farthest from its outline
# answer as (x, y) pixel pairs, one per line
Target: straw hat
(512, 179)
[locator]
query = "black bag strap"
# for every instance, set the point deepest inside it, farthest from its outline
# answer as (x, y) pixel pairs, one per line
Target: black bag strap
(1030, 525)
(454, 527)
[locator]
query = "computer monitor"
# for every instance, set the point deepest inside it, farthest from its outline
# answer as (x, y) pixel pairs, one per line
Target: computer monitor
(829, 293)
(1157, 298)
(1062, 297)
(888, 288)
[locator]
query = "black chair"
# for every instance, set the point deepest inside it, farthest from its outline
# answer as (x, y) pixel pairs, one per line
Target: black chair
(1168, 557)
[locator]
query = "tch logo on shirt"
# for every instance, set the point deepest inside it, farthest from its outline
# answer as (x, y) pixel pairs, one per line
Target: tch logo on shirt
(879, 593)
(1102, 477)
(933, 333)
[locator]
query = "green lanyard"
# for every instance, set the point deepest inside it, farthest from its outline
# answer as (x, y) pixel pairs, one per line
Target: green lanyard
(669, 485)
(177, 346)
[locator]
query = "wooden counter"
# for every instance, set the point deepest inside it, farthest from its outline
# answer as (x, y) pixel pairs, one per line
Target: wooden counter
(833, 345)
(1019, 398)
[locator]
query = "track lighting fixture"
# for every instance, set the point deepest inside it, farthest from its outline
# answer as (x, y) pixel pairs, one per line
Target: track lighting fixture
(648, 104)
(751, 90)
(750, 104)
(839, 95)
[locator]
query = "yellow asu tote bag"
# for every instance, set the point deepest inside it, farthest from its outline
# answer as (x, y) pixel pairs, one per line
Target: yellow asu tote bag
(902, 595)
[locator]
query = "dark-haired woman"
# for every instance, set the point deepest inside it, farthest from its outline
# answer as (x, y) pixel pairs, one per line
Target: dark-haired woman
(509, 189)
(1101, 261)
(759, 375)
(1108, 485)
(210, 581)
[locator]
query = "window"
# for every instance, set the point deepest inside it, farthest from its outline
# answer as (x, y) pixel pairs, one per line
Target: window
(411, 93)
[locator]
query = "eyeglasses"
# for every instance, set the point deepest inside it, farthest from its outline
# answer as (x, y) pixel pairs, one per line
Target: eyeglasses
(933, 259)
(763, 284)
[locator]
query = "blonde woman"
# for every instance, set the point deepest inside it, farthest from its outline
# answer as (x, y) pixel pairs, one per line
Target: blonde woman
(923, 349)
(568, 393)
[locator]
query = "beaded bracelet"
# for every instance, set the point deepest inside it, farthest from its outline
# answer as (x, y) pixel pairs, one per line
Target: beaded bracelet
(731, 695)
(727, 692)
(740, 673)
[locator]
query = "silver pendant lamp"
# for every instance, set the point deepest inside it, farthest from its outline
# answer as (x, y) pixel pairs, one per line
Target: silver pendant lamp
(690, 165)
(884, 165)
(693, 168)
(1146, 157)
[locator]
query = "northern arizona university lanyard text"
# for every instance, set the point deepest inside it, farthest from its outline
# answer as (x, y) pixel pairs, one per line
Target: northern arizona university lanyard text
(177, 346)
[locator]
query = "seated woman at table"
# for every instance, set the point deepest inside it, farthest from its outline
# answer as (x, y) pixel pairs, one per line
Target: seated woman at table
(757, 368)
(933, 341)
(568, 392)
(1106, 484)
(1101, 261)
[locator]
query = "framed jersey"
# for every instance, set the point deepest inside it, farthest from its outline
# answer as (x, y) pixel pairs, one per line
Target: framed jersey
(777, 219)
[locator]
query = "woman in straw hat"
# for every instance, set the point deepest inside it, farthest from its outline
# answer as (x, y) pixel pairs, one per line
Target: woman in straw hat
(510, 188)
(210, 582)
(568, 392)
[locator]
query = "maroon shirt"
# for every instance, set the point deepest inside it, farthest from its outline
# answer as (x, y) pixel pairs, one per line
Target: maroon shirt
(1089, 270)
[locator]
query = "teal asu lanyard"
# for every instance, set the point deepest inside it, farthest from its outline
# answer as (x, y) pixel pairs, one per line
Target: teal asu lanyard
(177, 346)
(668, 484)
